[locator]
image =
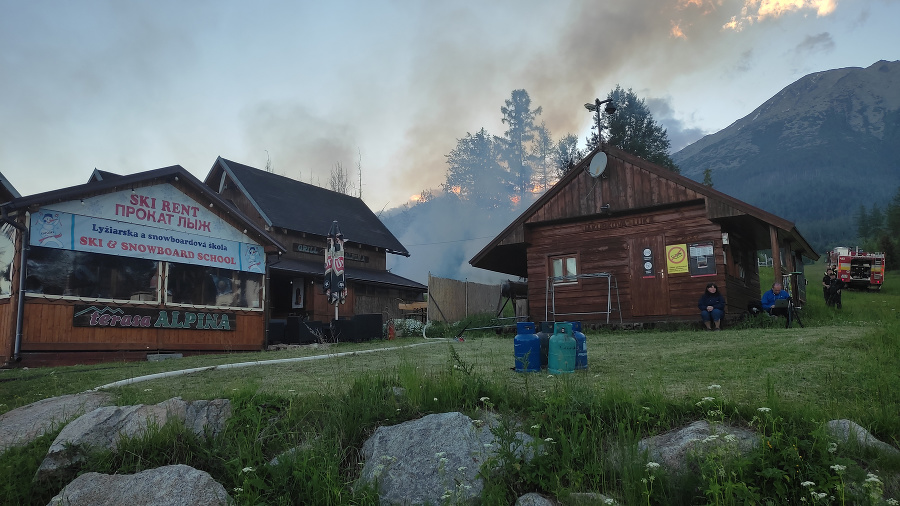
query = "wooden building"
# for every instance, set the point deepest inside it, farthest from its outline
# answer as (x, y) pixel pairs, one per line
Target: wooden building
(620, 233)
(299, 215)
(126, 266)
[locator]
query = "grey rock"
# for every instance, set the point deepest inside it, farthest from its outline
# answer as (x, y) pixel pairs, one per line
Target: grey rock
(591, 499)
(673, 448)
(177, 485)
(433, 460)
(534, 499)
(105, 426)
(20, 426)
(846, 431)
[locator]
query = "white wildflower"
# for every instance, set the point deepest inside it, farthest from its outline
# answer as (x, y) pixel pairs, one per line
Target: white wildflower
(536, 426)
(549, 439)
(892, 502)
(247, 470)
(807, 484)
(440, 454)
(485, 399)
(832, 447)
(872, 478)
(731, 438)
(714, 387)
(763, 410)
(435, 399)
(461, 468)
(839, 468)
(652, 465)
(238, 489)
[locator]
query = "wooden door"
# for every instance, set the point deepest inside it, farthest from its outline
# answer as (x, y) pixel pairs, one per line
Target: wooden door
(649, 286)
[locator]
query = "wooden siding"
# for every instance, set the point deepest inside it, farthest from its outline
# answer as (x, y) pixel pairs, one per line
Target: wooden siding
(7, 329)
(48, 327)
(602, 245)
(624, 186)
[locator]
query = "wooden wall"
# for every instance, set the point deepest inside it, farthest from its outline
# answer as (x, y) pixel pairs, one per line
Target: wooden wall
(48, 327)
(604, 244)
(7, 329)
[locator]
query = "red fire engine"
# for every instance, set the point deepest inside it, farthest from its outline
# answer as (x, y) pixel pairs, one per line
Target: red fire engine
(858, 268)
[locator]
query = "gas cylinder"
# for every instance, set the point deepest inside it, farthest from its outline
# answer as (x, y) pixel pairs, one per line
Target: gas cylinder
(527, 348)
(561, 357)
(580, 346)
(546, 330)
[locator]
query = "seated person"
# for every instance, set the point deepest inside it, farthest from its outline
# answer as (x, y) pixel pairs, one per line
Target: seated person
(712, 306)
(776, 293)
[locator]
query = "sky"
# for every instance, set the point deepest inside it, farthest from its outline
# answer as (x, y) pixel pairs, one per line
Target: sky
(384, 88)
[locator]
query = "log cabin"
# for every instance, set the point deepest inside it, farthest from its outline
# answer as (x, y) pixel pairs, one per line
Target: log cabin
(620, 240)
(299, 215)
(123, 267)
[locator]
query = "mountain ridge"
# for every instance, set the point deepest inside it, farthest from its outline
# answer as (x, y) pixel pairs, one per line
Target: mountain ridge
(814, 152)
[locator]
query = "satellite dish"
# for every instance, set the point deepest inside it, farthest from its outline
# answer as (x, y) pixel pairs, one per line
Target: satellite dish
(598, 165)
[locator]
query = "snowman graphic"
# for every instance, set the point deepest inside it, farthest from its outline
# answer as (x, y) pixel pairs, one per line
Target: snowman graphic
(254, 262)
(51, 231)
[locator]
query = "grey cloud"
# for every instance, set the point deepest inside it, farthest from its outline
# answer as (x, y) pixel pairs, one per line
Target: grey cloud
(822, 42)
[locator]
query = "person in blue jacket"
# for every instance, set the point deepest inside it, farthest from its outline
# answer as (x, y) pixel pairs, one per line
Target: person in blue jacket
(768, 299)
(712, 306)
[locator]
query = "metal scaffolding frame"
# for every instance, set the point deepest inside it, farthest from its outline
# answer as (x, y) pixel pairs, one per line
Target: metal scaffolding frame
(550, 295)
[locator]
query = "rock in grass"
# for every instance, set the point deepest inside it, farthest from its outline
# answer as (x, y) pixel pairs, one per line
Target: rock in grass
(104, 427)
(433, 460)
(672, 449)
(846, 430)
(21, 426)
(177, 485)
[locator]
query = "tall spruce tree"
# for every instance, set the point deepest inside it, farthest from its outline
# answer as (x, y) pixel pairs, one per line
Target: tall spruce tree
(516, 154)
(633, 129)
(475, 173)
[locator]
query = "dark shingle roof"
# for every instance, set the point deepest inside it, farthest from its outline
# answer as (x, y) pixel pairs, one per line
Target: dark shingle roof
(102, 175)
(286, 203)
(375, 277)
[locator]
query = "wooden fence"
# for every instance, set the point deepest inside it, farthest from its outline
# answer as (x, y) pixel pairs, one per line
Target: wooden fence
(450, 300)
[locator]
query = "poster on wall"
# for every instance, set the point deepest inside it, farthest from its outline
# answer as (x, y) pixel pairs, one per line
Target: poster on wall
(647, 259)
(676, 258)
(702, 259)
(56, 229)
(297, 297)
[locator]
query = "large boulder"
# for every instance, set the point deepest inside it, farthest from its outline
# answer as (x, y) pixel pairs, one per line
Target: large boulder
(673, 449)
(177, 485)
(20, 426)
(105, 426)
(846, 431)
(433, 460)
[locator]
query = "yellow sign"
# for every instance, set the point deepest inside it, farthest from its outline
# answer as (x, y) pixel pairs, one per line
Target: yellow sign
(677, 258)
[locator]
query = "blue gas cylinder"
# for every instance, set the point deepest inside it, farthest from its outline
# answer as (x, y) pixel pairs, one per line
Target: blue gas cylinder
(527, 347)
(580, 346)
(561, 358)
(544, 334)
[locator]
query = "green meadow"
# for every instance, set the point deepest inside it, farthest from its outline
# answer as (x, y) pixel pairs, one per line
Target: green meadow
(783, 383)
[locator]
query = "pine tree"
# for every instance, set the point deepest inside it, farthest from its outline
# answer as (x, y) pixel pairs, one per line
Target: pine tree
(633, 129)
(516, 153)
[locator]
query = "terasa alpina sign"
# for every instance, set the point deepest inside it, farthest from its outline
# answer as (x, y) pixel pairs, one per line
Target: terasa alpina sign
(134, 317)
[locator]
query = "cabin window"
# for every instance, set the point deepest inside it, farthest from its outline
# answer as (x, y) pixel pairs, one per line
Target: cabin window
(7, 252)
(564, 269)
(84, 275)
(198, 285)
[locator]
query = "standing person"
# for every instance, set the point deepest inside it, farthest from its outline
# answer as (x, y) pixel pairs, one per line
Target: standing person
(834, 292)
(826, 282)
(768, 299)
(712, 306)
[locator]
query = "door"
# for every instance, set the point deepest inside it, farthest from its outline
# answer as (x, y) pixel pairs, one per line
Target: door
(649, 286)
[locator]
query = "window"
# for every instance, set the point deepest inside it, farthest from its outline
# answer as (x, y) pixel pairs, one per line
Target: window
(564, 269)
(90, 275)
(7, 251)
(199, 285)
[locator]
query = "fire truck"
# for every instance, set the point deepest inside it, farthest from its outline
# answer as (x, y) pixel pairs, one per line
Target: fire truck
(858, 268)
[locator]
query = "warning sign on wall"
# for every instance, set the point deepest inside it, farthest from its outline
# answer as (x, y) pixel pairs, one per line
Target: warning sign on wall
(677, 258)
(702, 259)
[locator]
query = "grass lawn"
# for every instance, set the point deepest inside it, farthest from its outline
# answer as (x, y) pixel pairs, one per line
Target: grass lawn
(843, 364)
